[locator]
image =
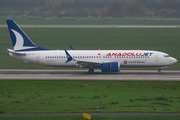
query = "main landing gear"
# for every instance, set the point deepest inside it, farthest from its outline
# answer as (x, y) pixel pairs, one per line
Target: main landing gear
(159, 71)
(91, 70)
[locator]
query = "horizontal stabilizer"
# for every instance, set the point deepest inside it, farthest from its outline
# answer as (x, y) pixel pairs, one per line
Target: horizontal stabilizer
(17, 53)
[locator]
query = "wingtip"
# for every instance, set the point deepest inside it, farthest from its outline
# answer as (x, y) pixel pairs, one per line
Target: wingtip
(71, 47)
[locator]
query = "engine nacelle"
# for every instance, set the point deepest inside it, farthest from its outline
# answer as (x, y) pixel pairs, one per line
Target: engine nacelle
(110, 67)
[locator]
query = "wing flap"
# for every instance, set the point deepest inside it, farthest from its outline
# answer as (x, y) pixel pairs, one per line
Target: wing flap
(87, 63)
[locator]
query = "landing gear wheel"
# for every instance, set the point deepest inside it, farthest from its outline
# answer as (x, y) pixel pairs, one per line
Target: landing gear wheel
(159, 71)
(91, 70)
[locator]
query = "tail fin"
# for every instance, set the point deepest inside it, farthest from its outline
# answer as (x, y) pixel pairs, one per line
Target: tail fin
(20, 40)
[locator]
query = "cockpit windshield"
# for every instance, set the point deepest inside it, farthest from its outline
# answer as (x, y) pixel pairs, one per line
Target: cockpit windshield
(166, 56)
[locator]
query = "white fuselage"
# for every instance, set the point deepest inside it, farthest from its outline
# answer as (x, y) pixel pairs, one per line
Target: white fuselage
(126, 58)
(106, 60)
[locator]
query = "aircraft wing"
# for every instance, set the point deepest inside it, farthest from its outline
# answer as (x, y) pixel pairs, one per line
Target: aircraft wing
(87, 63)
(82, 62)
(17, 53)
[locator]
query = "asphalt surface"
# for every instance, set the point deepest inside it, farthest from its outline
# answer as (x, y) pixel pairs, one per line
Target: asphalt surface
(96, 26)
(32, 114)
(15, 74)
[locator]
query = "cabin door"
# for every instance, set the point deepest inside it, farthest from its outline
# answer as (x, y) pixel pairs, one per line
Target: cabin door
(156, 58)
(37, 58)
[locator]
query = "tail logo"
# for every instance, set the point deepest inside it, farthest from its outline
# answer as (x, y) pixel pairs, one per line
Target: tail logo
(19, 41)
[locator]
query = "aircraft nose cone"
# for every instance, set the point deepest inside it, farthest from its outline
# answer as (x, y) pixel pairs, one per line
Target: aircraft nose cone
(173, 60)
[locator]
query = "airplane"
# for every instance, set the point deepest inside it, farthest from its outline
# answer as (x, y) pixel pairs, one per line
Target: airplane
(106, 60)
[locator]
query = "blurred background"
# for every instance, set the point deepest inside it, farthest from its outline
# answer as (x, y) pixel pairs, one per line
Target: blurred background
(91, 9)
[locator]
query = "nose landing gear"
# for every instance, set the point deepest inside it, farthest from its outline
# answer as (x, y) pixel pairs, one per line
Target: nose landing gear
(159, 70)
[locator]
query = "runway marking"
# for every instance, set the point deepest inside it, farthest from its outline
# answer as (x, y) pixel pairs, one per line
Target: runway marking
(84, 75)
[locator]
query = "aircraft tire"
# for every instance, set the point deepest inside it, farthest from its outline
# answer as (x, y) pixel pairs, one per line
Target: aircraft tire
(91, 70)
(159, 71)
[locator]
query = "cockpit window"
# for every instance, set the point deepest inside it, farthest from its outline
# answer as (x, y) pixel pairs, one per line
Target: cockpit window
(166, 56)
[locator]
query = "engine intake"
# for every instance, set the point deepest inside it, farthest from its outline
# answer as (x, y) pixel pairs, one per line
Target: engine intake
(110, 67)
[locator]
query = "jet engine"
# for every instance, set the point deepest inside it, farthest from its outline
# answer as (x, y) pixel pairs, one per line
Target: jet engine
(110, 67)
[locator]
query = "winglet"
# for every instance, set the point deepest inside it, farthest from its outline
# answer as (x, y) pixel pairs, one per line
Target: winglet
(71, 47)
(69, 58)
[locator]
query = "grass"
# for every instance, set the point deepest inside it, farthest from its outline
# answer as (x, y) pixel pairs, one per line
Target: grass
(161, 117)
(165, 40)
(18, 96)
(116, 21)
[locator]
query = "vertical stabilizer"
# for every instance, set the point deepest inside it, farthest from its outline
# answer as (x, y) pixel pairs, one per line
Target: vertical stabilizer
(20, 40)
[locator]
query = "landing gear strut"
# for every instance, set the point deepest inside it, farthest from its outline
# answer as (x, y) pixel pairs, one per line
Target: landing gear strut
(91, 70)
(159, 71)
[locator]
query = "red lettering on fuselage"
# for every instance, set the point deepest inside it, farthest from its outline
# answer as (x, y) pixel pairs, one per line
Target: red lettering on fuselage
(123, 54)
(109, 54)
(132, 54)
(119, 54)
(129, 54)
(114, 54)
(137, 54)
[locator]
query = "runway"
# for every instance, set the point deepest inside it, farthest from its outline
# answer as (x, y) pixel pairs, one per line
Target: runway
(96, 26)
(15, 74)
